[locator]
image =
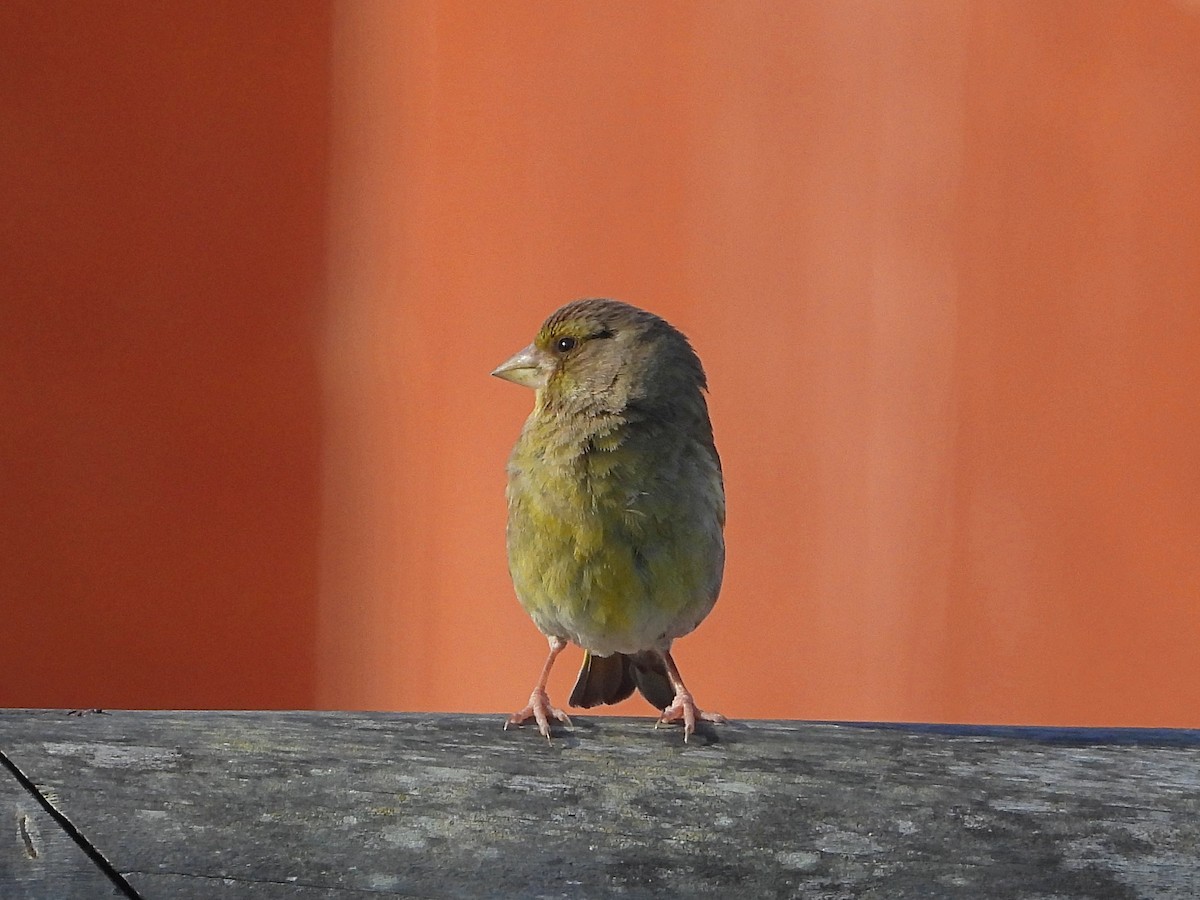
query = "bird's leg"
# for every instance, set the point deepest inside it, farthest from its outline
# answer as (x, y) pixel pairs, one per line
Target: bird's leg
(683, 708)
(539, 708)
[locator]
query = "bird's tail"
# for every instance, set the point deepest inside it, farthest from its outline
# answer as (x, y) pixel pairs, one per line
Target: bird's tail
(610, 679)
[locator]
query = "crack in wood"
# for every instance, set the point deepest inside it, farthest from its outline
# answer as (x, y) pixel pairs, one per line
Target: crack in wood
(26, 837)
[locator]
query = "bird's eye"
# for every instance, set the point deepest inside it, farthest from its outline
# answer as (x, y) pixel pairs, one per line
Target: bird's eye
(565, 344)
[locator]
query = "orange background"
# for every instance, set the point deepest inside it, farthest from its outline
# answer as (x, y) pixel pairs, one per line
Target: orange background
(941, 260)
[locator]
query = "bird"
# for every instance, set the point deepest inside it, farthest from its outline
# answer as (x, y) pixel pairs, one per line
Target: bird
(616, 506)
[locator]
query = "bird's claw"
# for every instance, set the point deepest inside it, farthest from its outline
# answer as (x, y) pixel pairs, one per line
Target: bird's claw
(540, 710)
(683, 709)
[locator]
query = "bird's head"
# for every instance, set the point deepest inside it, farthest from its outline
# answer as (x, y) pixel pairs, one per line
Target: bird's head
(602, 356)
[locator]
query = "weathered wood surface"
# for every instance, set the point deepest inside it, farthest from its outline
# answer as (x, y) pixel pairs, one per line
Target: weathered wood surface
(38, 854)
(307, 805)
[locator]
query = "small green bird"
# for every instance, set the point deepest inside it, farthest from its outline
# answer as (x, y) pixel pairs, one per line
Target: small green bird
(616, 505)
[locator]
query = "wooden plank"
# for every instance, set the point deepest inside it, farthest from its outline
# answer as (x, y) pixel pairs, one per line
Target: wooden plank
(204, 804)
(38, 858)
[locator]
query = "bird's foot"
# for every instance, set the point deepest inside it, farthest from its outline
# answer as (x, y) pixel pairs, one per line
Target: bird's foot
(683, 709)
(540, 710)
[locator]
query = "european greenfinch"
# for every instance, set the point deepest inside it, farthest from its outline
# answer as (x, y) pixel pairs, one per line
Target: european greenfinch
(616, 505)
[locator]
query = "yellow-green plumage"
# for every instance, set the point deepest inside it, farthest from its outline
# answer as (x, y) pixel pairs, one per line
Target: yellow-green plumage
(615, 497)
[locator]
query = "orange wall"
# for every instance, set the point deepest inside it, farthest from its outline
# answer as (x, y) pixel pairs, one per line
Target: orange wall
(941, 261)
(163, 169)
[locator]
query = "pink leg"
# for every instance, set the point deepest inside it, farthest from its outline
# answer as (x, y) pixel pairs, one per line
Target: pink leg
(683, 708)
(539, 708)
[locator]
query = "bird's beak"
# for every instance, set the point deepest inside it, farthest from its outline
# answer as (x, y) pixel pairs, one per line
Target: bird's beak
(529, 367)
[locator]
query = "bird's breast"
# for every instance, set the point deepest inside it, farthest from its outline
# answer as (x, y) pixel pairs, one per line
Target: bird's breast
(610, 547)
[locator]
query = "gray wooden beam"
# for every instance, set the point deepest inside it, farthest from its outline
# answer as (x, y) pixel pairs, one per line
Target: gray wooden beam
(305, 805)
